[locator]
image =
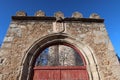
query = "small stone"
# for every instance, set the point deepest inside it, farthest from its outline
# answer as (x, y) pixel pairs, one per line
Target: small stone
(0, 76)
(6, 45)
(95, 16)
(59, 14)
(40, 13)
(13, 25)
(8, 39)
(21, 13)
(77, 15)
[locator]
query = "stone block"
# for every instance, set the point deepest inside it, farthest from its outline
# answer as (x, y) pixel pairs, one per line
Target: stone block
(102, 29)
(40, 13)
(0, 76)
(82, 35)
(59, 14)
(59, 27)
(110, 47)
(13, 25)
(15, 32)
(1, 51)
(21, 13)
(100, 37)
(95, 16)
(6, 45)
(8, 39)
(77, 15)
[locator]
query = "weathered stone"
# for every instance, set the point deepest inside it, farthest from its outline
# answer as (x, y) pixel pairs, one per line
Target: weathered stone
(110, 47)
(0, 76)
(12, 32)
(77, 15)
(6, 45)
(13, 25)
(40, 13)
(59, 27)
(59, 14)
(100, 37)
(94, 15)
(8, 39)
(21, 13)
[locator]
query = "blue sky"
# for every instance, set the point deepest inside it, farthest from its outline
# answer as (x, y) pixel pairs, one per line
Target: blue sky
(107, 9)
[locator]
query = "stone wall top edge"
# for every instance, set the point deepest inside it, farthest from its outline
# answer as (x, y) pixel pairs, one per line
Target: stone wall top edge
(54, 19)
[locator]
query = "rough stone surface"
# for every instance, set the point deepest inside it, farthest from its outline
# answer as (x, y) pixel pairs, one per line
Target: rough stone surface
(40, 13)
(24, 33)
(94, 15)
(21, 13)
(8, 39)
(59, 14)
(77, 15)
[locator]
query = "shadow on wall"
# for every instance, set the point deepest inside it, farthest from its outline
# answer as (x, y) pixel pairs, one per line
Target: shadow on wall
(118, 58)
(0, 45)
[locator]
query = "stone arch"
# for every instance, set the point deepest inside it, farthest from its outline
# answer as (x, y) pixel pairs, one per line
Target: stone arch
(39, 45)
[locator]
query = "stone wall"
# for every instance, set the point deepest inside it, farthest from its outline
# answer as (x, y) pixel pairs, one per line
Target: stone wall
(25, 30)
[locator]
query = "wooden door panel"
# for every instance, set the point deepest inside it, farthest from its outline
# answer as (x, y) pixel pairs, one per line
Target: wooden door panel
(74, 75)
(46, 75)
(60, 73)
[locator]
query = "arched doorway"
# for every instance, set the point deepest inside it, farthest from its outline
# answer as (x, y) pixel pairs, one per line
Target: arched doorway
(40, 45)
(60, 61)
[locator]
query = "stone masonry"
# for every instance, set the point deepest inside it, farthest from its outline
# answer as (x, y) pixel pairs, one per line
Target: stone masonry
(24, 31)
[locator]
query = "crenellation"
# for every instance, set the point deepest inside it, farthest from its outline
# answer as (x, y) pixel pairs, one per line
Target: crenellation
(95, 16)
(40, 13)
(59, 14)
(77, 15)
(21, 13)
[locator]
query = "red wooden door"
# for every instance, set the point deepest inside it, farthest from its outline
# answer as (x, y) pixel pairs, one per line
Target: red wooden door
(60, 62)
(46, 73)
(76, 73)
(60, 73)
